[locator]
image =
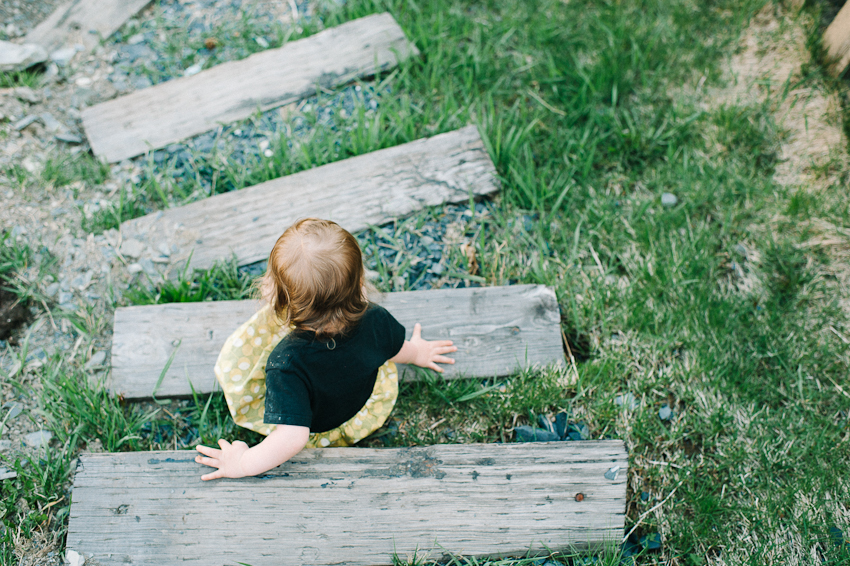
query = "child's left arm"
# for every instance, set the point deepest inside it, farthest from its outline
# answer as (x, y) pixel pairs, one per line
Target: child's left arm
(237, 460)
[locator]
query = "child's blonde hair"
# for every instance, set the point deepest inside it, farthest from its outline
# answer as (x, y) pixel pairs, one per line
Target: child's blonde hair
(315, 277)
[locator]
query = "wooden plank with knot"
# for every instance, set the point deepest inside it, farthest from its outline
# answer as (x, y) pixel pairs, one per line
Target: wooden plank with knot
(154, 117)
(498, 331)
(356, 506)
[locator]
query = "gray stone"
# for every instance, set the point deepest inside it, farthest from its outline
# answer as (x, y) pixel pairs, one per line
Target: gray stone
(141, 82)
(628, 400)
(96, 360)
(26, 94)
(63, 56)
(25, 121)
(68, 138)
(12, 409)
(134, 268)
(612, 473)
(136, 39)
(665, 413)
(193, 70)
(5, 445)
(38, 438)
(15, 57)
(65, 297)
(74, 558)
(52, 289)
(148, 267)
(669, 199)
(52, 124)
(132, 248)
(533, 434)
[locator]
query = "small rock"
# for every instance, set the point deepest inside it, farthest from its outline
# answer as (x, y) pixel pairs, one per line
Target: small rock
(644, 496)
(665, 413)
(628, 400)
(74, 558)
(52, 289)
(533, 434)
(63, 56)
(148, 267)
(612, 473)
(135, 39)
(65, 297)
(134, 268)
(38, 438)
(26, 94)
(12, 410)
(25, 121)
(545, 424)
(142, 82)
(5, 474)
(560, 426)
(68, 138)
(15, 57)
(132, 248)
(669, 199)
(5, 445)
(651, 541)
(52, 124)
(96, 360)
(193, 70)
(163, 249)
(578, 431)
(261, 41)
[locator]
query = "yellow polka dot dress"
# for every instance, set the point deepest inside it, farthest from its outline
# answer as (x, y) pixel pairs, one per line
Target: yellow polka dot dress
(241, 372)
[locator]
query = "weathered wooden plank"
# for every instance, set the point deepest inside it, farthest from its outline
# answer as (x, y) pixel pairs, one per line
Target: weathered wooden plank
(351, 505)
(83, 22)
(174, 110)
(497, 330)
(369, 189)
(836, 41)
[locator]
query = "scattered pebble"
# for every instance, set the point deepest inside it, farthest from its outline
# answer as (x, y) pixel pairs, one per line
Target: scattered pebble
(26, 94)
(193, 70)
(612, 473)
(69, 138)
(665, 413)
(669, 199)
(38, 438)
(628, 400)
(74, 558)
(651, 541)
(96, 360)
(132, 248)
(11, 410)
(644, 496)
(526, 433)
(15, 57)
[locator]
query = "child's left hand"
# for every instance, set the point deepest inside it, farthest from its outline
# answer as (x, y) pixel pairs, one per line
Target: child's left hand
(425, 353)
(227, 460)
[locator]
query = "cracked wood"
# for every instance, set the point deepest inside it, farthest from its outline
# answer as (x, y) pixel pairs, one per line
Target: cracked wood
(177, 109)
(369, 189)
(498, 330)
(83, 22)
(356, 506)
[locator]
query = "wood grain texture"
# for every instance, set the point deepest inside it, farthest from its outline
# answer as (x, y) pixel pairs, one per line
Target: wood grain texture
(174, 110)
(497, 330)
(353, 506)
(83, 22)
(836, 41)
(369, 189)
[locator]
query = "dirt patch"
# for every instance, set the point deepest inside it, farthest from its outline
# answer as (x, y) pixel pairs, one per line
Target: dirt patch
(13, 312)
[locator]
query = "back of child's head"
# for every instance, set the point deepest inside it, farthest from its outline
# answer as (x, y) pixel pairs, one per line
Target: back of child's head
(315, 278)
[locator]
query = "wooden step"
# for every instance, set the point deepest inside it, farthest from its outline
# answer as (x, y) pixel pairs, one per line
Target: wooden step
(355, 506)
(498, 330)
(83, 22)
(369, 189)
(177, 109)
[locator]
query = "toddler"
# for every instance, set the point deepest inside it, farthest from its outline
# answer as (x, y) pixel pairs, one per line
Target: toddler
(315, 366)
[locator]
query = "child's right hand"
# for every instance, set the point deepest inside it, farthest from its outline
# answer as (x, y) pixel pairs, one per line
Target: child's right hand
(227, 460)
(425, 353)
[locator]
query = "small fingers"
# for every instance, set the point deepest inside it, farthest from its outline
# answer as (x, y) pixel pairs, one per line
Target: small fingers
(213, 475)
(223, 443)
(435, 367)
(443, 360)
(211, 462)
(445, 349)
(207, 451)
(417, 331)
(443, 344)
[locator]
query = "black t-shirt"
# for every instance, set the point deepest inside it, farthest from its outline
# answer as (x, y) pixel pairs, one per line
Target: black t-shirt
(322, 383)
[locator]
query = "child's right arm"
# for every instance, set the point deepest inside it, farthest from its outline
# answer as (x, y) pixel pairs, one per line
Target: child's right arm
(237, 460)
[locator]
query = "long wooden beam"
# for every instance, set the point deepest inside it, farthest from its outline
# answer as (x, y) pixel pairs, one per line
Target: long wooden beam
(354, 506)
(498, 330)
(369, 189)
(177, 109)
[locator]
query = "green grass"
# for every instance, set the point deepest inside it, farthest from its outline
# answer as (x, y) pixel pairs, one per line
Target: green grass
(718, 307)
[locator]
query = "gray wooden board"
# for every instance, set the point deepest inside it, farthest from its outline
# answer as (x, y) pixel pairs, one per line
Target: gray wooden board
(350, 505)
(497, 330)
(174, 110)
(369, 189)
(83, 22)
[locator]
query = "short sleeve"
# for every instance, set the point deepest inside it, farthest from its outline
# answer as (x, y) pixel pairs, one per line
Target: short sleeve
(287, 399)
(392, 334)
